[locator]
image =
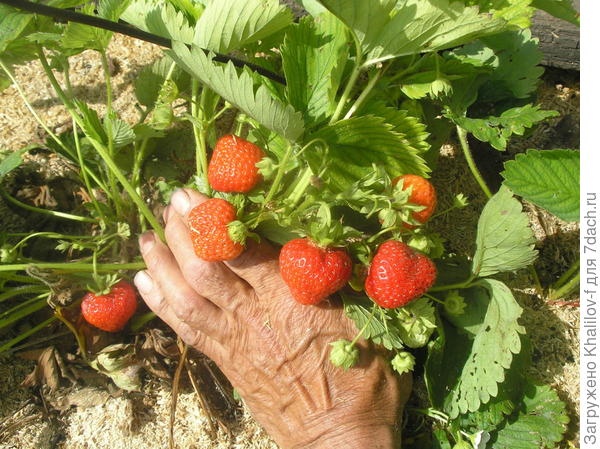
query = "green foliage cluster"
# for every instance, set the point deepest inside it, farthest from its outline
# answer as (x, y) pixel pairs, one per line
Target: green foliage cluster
(370, 85)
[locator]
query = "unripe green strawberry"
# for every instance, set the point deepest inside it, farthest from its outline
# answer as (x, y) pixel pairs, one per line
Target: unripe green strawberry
(209, 224)
(110, 312)
(422, 194)
(313, 273)
(232, 167)
(398, 275)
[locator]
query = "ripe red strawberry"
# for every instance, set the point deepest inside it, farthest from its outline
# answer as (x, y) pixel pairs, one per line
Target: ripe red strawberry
(110, 312)
(232, 167)
(312, 273)
(398, 275)
(422, 194)
(209, 230)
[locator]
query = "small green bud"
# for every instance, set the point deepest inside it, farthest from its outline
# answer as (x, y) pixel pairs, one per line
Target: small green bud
(403, 362)
(7, 254)
(460, 201)
(267, 168)
(343, 354)
(439, 87)
(454, 303)
(237, 231)
(123, 230)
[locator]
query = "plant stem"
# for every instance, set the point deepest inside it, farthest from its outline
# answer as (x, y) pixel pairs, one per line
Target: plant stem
(567, 275)
(80, 341)
(362, 331)
(129, 189)
(365, 93)
(458, 285)
(462, 137)
(70, 266)
(52, 213)
(346, 93)
(26, 334)
(566, 289)
(22, 290)
(275, 185)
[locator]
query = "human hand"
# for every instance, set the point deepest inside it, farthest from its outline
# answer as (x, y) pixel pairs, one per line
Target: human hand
(274, 351)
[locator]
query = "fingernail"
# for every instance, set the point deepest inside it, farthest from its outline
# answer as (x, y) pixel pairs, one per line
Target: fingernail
(146, 241)
(180, 202)
(143, 282)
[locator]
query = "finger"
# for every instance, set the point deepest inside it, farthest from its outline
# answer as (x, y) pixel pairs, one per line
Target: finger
(189, 307)
(155, 299)
(259, 266)
(213, 280)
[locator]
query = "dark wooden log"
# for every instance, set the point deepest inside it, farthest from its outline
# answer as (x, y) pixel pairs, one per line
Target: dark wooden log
(559, 40)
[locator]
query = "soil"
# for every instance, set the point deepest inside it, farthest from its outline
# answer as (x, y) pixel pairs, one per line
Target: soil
(141, 420)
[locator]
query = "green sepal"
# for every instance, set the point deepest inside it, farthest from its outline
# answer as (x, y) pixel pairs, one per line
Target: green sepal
(343, 354)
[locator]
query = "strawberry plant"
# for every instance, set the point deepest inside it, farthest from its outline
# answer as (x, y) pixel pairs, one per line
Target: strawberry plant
(338, 121)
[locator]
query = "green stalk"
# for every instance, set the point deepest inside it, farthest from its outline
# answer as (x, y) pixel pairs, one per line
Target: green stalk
(362, 331)
(462, 137)
(116, 196)
(84, 168)
(84, 175)
(199, 134)
(72, 266)
(275, 185)
(567, 275)
(346, 93)
(365, 93)
(26, 334)
(52, 213)
(102, 151)
(143, 208)
(22, 290)
(22, 310)
(458, 285)
(566, 289)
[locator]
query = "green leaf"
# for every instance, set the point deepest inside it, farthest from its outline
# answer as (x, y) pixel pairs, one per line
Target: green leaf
(313, 55)
(238, 89)
(380, 330)
(563, 9)
(515, 12)
(413, 132)
(416, 322)
(540, 421)
(227, 25)
(159, 18)
(390, 28)
(510, 394)
(122, 132)
(12, 24)
(464, 373)
(12, 161)
(498, 130)
(356, 144)
(516, 71)
(150, 80)
(504, 239)
(549, 179)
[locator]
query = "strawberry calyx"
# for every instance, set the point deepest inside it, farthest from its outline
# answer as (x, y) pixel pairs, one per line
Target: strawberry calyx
(343, 354)
(403, 362)
(102, 285)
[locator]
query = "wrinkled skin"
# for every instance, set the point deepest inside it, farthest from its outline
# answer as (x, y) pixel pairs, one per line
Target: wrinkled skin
(272, 349)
